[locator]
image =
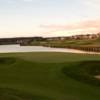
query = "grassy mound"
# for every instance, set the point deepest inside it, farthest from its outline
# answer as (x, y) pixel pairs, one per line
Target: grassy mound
(7, 60)
(11, 94)
(85, 71)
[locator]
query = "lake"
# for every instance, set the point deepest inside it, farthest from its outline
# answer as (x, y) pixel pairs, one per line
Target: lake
(18, 48)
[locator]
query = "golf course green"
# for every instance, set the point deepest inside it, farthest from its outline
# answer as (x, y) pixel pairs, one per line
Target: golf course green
(49, 76)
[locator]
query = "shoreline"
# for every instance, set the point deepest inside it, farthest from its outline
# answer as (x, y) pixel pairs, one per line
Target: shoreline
(25, 49)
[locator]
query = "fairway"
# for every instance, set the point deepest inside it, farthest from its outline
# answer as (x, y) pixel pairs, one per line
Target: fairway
(39, 76)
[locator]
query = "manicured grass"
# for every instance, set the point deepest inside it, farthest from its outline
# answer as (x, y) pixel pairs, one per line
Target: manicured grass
(54, 57)
(39, 76)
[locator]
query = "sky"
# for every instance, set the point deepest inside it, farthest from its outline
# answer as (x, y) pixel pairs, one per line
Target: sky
(47, 18)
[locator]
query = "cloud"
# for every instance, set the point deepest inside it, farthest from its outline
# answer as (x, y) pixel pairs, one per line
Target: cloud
(84, 24)
(87, 26)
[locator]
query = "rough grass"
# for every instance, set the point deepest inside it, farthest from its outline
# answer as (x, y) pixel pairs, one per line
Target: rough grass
(69, 42)
(39, 76)
(84, 71)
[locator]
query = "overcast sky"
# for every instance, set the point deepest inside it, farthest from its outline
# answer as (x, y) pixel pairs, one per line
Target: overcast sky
(49, 17)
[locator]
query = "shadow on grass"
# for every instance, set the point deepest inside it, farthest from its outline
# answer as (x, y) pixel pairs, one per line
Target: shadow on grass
(7, 60)
(11, 94)
(84, 71)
